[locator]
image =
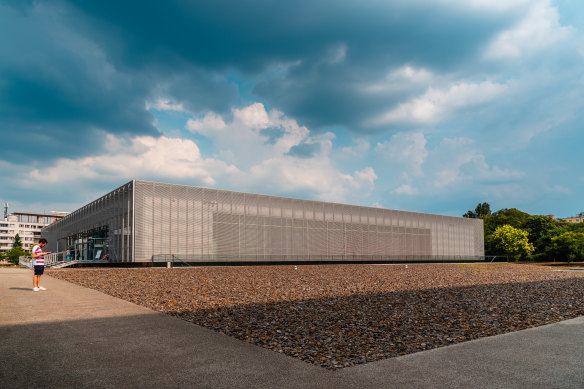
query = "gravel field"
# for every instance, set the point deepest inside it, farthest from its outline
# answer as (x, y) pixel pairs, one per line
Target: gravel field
(337, 316)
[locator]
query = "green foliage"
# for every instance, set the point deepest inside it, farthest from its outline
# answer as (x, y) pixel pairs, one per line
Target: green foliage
(576, 227)
(14, 254)
(541, 230)
(512, 217)
(17, 242)
(481, 211)
(539, 237)
(512, 241)
(538, 226)
(567, 246)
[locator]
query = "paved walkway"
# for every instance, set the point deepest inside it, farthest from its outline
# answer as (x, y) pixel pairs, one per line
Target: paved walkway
(70, 336)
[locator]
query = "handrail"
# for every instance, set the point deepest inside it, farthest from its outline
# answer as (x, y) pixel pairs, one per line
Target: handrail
(61, 258)
(53, 259)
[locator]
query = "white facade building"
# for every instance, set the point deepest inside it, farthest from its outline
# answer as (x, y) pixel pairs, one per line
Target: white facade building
(28, 227)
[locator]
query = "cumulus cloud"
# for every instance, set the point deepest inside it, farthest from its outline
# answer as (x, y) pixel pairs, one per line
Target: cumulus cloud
(254, 135)
(489, 5)
(210, 123)
(358, 149)
(476, 82)
(406, 189)
(537, 31)
(272, 170)
(437, 104)
(402, 79)
(366, 175)
(406, 148)
(458, 160)
(139, 157)
(452, 165)
(277, 155)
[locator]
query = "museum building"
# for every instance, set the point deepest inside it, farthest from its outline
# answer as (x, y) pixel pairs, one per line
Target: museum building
(145, 221)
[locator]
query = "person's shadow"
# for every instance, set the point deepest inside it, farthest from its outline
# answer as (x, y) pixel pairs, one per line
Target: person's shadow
(20, 288)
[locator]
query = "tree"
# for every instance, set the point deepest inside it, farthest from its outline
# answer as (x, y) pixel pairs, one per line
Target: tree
(512, 241)
(17, 242)
(481, 211)
(567, 246)
(538, 226)
(513, 217)
(14, 254)
(541, 229)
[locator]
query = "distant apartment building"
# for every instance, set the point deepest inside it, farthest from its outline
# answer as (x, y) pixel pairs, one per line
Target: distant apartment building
(28, 227)
(579, 218)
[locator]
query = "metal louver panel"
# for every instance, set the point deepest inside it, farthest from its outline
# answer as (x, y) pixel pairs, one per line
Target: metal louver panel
(146, 220)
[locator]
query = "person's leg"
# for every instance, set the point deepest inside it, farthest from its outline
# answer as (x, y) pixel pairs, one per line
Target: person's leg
(39, 284)
(41, 273)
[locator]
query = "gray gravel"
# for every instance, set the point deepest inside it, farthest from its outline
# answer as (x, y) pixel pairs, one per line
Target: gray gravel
(336, 316)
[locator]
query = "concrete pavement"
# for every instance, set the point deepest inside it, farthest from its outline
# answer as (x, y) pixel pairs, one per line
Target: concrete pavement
(70, 336)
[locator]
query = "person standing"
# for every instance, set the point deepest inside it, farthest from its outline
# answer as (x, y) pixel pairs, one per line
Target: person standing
(38, 262)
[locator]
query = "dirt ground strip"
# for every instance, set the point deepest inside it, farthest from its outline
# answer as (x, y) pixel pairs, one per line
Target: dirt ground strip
(336, 316)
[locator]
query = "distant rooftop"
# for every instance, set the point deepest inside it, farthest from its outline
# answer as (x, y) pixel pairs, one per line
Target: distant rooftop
(51, 214)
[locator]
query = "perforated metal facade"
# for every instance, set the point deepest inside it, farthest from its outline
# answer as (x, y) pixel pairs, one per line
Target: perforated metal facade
(148, 220)
(107, 220)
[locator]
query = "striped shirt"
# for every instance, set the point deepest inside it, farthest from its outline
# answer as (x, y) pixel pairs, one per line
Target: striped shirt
(38, 260)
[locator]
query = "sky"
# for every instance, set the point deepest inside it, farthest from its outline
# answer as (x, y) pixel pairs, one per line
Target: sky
(419, 105)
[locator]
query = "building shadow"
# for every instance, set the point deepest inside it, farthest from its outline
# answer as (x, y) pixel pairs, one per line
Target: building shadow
(344, 331)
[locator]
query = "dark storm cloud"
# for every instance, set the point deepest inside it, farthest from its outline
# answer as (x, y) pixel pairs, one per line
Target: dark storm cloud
(77, 69)
(57, 92)
(252, 37)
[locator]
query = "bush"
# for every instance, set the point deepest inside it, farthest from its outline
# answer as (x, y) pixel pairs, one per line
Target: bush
(14, 254)
(567, 246)
(512, 241)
